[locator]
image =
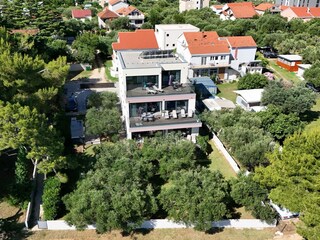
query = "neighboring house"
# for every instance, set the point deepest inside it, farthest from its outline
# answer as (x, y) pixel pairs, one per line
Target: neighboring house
(155, 94)
(251, 67)
(301, 69)
(186, 5)
(127, 41)
(206, 54)
(114, 5)
(239, 10)
(298, 3)
(81, 14)
(217, 9)
(304, 13)
(250, 99)
(105, 17)
(135, 16)
(289, 62)
(263, 7)
(167, 34)
(76, 129)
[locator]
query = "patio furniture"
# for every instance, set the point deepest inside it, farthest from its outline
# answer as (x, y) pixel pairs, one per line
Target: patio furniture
(150, 91)
(190, 114)
(157, 89)
(174, 114)
(183, 113)
(166, 114)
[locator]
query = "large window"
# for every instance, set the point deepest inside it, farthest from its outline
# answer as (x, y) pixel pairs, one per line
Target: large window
(141, 81)
(170, 76)
(136, 109)
(176, 105)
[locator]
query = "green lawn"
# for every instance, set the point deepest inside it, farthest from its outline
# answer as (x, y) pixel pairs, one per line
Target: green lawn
(226, 91)
(316, 123)
(82, 74)
(218, 162)
(108, 65)
(283, 73)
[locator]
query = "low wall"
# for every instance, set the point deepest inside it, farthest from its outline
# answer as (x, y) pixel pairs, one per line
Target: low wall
(225, 153)
(167, 224)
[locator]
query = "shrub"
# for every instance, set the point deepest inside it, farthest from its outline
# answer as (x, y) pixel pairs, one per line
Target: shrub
(51, 198)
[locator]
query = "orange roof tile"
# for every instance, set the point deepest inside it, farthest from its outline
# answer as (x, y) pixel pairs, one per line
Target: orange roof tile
(126, 10)
(81, 13)
(242, 9)
(305, 12)
(140, 39)
(242, 41)
(205, 43)
(107, 14)
(113, 2)
(283, 7)
(264, 6)
(217, 6)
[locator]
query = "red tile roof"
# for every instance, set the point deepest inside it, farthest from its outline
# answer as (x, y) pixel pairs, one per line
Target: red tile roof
(81, 13)
(205, 43)
(242, 41)
(217, 6)
(113, 2)
(126, 10)
(107, 14)
(305, 12)
(242, 9)
(264, 6)
(140, 39)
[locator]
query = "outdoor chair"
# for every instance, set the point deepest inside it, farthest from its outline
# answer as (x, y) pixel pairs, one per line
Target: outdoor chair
(166, 114)
(174, 114)
(157, 89)
(150, 91)
(183, 113)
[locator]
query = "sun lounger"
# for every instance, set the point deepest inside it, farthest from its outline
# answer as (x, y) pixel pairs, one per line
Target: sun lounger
(183, 113)
(157, 89)
(150, 91)
(166, 114)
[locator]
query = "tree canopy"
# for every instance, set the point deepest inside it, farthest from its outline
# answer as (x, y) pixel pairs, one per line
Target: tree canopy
(251, 81)
(293, 176)
(312, 74)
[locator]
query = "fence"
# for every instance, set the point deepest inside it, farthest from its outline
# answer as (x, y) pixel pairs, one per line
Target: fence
(167, 224)
(225, 153)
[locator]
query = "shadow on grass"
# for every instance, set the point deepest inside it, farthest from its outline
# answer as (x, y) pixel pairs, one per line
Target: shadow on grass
(10, 228)
(140, 231)
(310, 116)
(215, 230)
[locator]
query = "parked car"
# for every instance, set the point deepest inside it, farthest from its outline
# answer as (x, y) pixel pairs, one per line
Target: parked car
(270, 54)
(312, 87)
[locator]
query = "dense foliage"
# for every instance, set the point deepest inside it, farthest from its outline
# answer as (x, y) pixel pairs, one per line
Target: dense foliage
(51, 198)
(251, 81)
(312, 74)
(293, 176)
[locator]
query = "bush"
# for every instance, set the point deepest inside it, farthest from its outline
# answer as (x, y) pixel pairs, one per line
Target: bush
(51, 198)
(251, 81)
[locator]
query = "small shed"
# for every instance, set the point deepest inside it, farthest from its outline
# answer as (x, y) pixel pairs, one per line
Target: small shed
(250, 99)
(289, 62)
(302, 68)
(204, 87)
(218, 104)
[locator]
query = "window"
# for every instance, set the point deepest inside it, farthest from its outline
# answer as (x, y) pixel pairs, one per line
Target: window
(167, 34)
(214, 58)
(203, 60)
(223, 57)
(167, 45)
(173, 45)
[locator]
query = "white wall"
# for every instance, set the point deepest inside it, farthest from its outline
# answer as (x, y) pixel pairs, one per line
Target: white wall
(244, 54)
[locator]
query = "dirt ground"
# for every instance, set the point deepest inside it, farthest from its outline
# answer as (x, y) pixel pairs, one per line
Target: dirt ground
(7, 211)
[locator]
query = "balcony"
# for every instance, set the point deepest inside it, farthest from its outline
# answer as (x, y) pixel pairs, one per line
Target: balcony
(136, 17)
(209, 65)
(159, 122)
(186, 88)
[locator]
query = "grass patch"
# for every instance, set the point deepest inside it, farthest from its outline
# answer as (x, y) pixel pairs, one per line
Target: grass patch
(283, 73)
(89, 151)
(168, 234)
(218, 162)
(226, 91)
(108, 65)
(8, 211)
(244, 214)
(312, 126)
(78, 75)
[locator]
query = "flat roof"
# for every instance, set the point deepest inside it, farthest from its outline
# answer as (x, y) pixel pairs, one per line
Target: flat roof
(251, 95)
(218, 103)
(304, 66)
(291, 57)
(133, 59)
(176, 27)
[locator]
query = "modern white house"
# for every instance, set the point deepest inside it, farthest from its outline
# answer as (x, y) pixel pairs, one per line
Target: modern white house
(128, 41)
(167, 34)
(186, 5)
(155, 94)
(250, 99)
